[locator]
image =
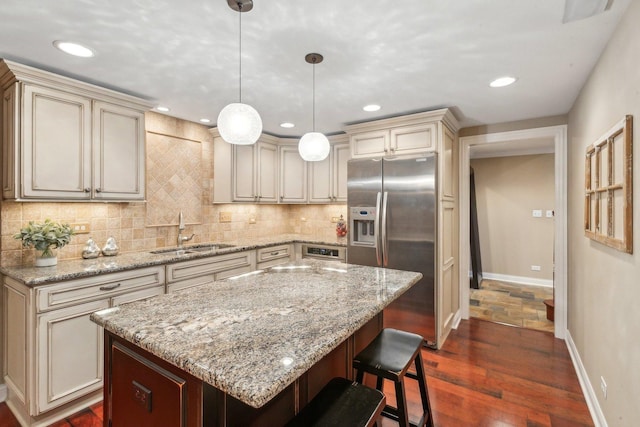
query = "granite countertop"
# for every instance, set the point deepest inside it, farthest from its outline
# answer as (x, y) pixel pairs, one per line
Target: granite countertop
(253, 335)
(78, 268)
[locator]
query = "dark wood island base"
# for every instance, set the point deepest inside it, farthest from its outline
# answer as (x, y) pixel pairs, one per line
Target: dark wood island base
(142, 389)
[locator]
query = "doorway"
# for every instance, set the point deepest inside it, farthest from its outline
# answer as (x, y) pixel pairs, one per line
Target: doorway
(514, 142)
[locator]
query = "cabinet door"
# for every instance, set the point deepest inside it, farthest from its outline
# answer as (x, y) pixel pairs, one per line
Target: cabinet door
(341, 155)
(267, 172)
(69, 355)
(320, 181)
(118, 153)
(293, 175)
(413, 139)
(56, 148)
(244, 178)
(369, 144)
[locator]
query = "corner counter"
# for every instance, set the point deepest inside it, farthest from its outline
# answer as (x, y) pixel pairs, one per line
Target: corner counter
(254, 340)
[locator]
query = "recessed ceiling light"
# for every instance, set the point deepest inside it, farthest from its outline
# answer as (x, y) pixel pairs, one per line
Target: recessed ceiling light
(74, 49)
(371, 107)
(163, 109)
(287, 125)
(503, 81)
(205, 120)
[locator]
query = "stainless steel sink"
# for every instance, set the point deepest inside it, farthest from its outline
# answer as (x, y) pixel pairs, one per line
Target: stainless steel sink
(193, 249)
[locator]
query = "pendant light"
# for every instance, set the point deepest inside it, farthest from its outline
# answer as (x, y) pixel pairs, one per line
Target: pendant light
(240, 123)
(314, 146)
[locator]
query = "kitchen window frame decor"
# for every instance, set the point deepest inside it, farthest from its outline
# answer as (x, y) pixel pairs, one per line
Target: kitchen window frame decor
(608, 206)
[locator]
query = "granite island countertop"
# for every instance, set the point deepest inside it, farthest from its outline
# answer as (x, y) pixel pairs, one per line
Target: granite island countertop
(79, 268)
(253, 335)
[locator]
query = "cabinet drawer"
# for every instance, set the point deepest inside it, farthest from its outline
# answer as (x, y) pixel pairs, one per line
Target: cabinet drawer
(274, 252)
(92, 288)
(210, 265)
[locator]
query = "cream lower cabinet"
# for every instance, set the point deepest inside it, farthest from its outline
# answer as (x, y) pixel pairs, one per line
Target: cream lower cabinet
(274, 255)
(203, 271)
(53, 353)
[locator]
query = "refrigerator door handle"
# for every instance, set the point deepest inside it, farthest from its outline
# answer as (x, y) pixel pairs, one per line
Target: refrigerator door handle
(378, 243)
(383, 227)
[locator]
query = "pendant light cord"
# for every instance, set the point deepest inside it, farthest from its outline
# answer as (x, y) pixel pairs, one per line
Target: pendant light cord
(240, 53)
(314, 95)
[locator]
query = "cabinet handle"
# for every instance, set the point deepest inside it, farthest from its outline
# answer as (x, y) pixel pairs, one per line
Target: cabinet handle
(87, 189)
(98, 190)
(110, 287)
(275, 253)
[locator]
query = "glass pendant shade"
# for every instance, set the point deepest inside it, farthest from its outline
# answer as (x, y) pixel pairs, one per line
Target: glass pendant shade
(239, 124)
(314, 147)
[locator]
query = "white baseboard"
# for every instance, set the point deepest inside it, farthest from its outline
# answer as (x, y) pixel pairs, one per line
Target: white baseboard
(589, 394)
(3, 392)
(456, 319)
(518, 279)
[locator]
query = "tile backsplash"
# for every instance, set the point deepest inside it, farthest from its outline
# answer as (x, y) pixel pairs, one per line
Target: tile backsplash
(130, 223)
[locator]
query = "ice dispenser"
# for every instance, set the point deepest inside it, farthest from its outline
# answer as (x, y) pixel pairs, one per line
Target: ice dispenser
(363, 226)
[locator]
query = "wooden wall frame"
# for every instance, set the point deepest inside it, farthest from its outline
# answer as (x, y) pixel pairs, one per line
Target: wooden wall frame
(608, 204)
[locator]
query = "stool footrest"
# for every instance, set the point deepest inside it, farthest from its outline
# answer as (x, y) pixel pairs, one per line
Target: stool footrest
(392, 413)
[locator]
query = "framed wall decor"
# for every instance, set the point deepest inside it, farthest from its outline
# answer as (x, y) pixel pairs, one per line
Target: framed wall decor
(608, 205)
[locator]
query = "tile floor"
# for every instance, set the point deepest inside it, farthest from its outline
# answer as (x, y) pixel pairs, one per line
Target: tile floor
(511, 304)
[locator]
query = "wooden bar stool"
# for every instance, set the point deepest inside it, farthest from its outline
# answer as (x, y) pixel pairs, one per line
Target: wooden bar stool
(342, 403)
(389, 356)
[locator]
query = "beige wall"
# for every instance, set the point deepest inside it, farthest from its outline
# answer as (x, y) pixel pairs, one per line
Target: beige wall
(128, 223)
(508, 189)
(604, 284)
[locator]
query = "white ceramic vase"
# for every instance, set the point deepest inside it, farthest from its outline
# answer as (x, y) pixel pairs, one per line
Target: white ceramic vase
(46, 261)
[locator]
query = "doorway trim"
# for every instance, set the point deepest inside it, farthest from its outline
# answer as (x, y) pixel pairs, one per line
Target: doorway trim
(559, 135)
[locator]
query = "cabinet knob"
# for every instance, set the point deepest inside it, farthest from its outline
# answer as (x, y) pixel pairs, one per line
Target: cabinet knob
(98, 190)
(87, 189)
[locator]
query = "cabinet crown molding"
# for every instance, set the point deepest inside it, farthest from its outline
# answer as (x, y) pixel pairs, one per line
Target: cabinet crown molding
(443, 115)
(11, 72)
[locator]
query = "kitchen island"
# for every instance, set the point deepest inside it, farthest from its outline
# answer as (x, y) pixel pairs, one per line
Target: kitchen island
(244, 350)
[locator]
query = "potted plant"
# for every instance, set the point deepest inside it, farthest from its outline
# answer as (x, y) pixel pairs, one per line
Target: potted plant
(45, 237)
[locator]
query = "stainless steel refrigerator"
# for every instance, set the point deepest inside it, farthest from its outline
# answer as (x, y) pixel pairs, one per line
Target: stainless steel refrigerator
(392, 218)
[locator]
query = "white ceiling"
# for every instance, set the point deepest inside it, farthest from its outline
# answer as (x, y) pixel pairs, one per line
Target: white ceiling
(408, 55)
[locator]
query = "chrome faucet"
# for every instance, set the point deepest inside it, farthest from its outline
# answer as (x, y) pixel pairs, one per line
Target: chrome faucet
(181, 228)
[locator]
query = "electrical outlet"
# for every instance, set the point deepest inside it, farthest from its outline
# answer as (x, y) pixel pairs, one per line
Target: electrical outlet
(81, 227)
(549, 214)
(303, 219)
(252, 220)
(603, 387)
(225, 216)
(335, 219)
(535, 268)
(537, 213)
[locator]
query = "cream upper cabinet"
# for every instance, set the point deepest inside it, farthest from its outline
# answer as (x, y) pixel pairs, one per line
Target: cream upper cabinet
(118, 152)
(67, 140)
(393, 137)
(245, 173)
(56, 145)
(293, 175)
(254, 172)
(328, 178)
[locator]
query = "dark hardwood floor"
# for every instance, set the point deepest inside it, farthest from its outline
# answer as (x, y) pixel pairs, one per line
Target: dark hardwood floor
(486, 374)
